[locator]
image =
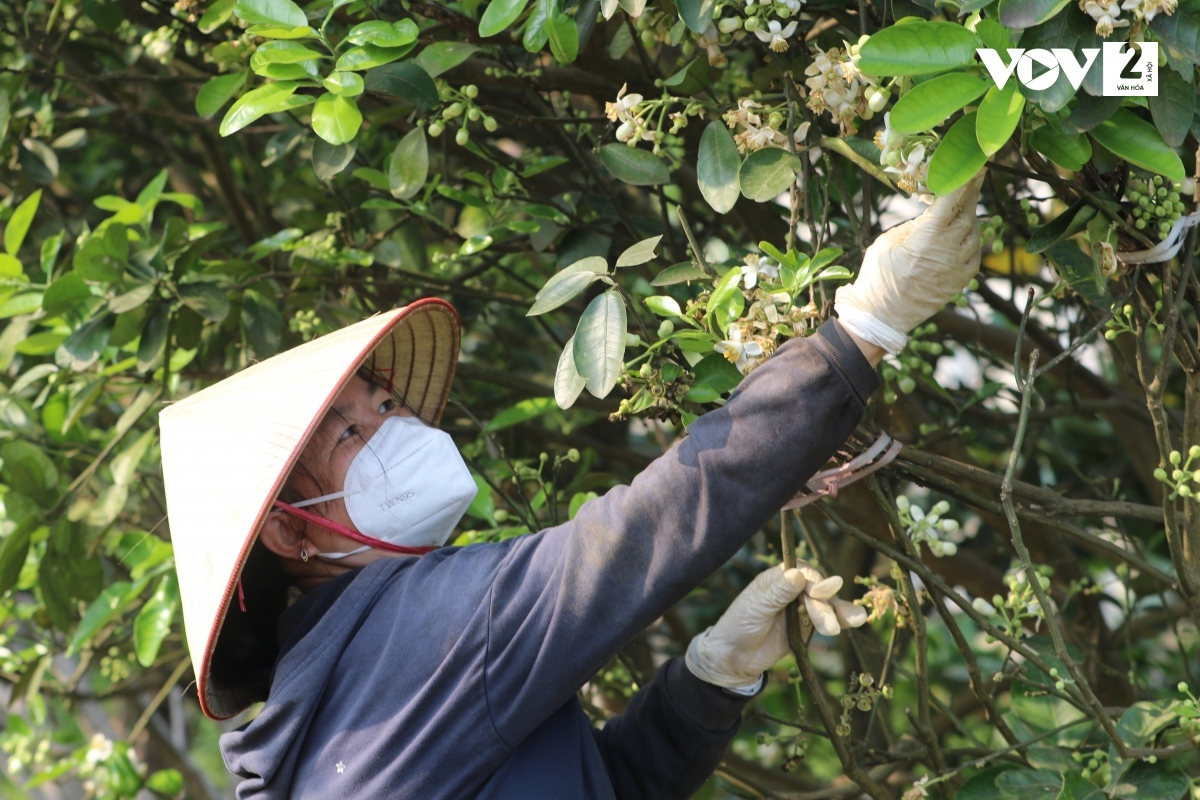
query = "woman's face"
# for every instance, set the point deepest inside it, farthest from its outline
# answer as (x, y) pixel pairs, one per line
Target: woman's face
(357, 413)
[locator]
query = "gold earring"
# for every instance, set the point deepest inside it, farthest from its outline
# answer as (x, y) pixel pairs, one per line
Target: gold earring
(304, 555)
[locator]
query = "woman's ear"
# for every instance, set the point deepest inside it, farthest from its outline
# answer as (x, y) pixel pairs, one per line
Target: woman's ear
(283, 536)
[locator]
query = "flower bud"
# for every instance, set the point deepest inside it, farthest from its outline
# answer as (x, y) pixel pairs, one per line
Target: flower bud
(665, 329)
(453, 110)
(471, 91)
(941, 507)
(1183, 687)
(1176, 457)
(489, 124)
(1060, 685)
(1160, 474)
(729, 24)
(902, 503)
(462, 137)
(436, 128)
(473, 113)
(572, 455)
(752, 24)
(878, 100)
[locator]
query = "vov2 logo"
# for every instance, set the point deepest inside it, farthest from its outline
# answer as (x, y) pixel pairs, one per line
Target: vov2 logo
(1126, 71)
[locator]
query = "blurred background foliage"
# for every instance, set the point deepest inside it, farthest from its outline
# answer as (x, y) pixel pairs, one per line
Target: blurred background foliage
(640, 199)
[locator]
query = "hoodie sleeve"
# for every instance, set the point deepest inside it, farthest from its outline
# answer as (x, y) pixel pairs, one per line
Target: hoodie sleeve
(671, 737)
(564, 600)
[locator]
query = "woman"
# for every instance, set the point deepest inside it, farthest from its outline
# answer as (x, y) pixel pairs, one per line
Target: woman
(404, 671)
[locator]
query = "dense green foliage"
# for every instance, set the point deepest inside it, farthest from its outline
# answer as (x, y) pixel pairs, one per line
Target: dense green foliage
(631, 203)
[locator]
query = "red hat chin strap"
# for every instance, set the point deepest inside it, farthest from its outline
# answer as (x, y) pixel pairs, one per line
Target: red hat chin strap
(350, 533)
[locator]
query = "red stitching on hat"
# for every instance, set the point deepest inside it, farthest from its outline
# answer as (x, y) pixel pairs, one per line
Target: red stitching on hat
(350, 533)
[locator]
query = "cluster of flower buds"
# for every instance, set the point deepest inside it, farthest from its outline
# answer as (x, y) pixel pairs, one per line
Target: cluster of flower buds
(992, 232)
(1019, 605)
(862, 697)
(940, 534)
(1156, 205)
(1181, 473)
(462, 107)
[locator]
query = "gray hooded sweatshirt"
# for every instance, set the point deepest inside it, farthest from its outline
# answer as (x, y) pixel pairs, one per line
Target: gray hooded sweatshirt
(454, 675)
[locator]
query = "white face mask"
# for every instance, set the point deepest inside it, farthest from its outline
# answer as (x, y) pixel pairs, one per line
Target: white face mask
(407, 486)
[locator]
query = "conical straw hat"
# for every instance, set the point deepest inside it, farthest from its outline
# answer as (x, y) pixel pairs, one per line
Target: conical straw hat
(228, 450)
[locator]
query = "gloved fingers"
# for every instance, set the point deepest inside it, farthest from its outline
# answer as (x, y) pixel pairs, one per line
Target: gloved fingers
(823, 617)
(826, 588)
(848, 614)
(958, 204)
(774, 588)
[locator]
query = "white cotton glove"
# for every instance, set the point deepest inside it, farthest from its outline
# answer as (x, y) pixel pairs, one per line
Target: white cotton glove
(912, 270)
(752, 633)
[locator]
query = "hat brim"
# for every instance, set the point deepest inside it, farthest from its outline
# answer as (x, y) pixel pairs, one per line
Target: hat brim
(228, 450)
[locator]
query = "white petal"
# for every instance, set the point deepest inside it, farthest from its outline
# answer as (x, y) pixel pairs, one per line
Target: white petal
(790, 29)
(763, 36)
(822, 616)
(827, 588)
(753, 349)
(848, 614)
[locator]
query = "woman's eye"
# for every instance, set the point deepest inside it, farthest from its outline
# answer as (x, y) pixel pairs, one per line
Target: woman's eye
(348, 433)
(387, 405)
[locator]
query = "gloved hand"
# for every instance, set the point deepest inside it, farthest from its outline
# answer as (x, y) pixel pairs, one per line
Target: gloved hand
(752, 633)
(914, 269)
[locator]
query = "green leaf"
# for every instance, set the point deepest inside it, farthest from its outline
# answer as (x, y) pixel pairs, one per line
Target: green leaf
(567, 283)
(982, 785)
(368, 56)
(108, 505)
(83, 347)
(302, 71)
(927, 105)
(564, 38)
(1027, 13)
(767, 173)
(154, 335)
(1078, 271)
(1130, 137)
(1142, 721)
(383, 34)
(1089, 112)
(599, 346)
(330, 159)
(714, 370)
(528, 409)
(110, 603)
(1072, 31)
(408, 166)
(679, 273)
(500, 14)
(998, 116)
(14, 551)
(1069, 152)
(1181, 30)
(124, 465)
(255, 103)
(65, 294)
(346, 84)
(717, 166)
(639, 253)
(19, 222)
(918, 48)
(568, 383)
(167, 782)
(407, 81)
(957, 159)
(441, 57)
(336, 119)
(726, 302)
(206, 299)
(262, 323)
(1029, 784)
(153, 622)
(696, 14)
(278, 12)
(1077, 787)
(536, 27)
(216, 92)
(664, 306)
(634, 166)
(272, 31)
(285, 52)
(483, 506)
(1158, 781)
(215, 16)
(1066, 224)
(1173, 107)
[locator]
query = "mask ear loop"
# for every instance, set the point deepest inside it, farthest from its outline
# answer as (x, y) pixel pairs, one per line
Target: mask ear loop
(350, 533)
